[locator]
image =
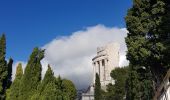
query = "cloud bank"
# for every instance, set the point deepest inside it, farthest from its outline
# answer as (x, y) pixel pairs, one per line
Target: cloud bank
(70, 56)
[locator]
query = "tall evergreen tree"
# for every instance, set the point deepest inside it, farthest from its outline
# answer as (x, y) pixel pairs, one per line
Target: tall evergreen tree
(148, 45)
(52, 88)
(97, 88)
(52, 91)
(69, 89)
(4, 75)
(14, 91)
(9, 77)
(32, 75)
(48, 78)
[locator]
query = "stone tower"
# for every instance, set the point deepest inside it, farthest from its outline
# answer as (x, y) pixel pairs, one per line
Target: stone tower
(104, 62)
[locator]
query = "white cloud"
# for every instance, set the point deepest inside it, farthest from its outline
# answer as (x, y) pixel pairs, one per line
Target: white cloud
(70, 56)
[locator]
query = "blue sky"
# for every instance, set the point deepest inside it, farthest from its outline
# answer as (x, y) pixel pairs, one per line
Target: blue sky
(30, 23)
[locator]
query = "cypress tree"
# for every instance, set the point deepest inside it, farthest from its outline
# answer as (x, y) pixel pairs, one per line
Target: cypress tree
(51, 91)
(14, 91)
(9, 77)
(49, 77)
(69, 89)
(52, 88)
(97, 88)
(32, 75)
(148, 45)
(3, 67)
(49, 87)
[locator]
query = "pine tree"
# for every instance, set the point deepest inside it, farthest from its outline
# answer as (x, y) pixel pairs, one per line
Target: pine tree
(32, 75)
(14, 91)
(97, 88)
(117, 91)
(148, 45)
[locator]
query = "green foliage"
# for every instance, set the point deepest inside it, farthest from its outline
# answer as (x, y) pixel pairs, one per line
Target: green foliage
(133, 86)
(117, 91)
(5, 69)
(9, 77)
(148, 39)
(97, 88)
(28, 86)
(14, 92)
(69, 89)
(47, 87)
(3, 66)
(139, 84)
(52, 88)
(32, 75)
(148, 43)
(52, 91)
(49, 77)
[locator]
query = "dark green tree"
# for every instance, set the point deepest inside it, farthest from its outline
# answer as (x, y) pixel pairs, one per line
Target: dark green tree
(32, 75)
(5, 69)
(9, 78)
(48, 79)
(14, 91)
(148, 45)
(97, 88)
(117, 90)
(52, 88)
(69, 89)
(132, 85)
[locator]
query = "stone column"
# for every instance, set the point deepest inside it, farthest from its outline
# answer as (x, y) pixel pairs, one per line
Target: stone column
(107, 74)
(104, 69)
(101, 71)
(97, 67)
(94, 71)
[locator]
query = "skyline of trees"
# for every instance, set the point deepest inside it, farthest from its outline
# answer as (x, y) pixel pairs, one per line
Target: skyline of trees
(28, 83)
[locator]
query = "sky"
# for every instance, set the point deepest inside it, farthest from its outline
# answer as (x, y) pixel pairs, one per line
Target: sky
(58, 24)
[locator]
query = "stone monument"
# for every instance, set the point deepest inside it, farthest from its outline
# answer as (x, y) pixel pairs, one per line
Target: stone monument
(104, 62)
